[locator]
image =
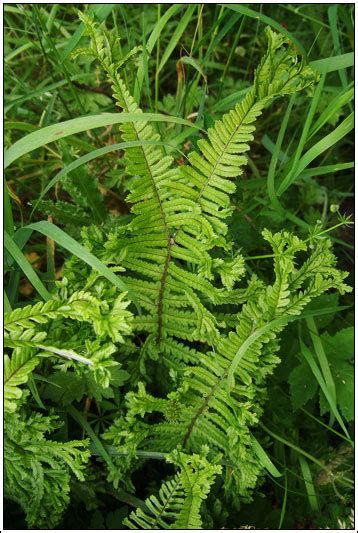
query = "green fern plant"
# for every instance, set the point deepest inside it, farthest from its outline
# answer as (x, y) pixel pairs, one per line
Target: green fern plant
(179, 500)
(213, 337)
(38, 470)
(218, 361)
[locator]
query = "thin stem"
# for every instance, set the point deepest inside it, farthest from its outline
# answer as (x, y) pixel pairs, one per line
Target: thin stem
(157, 63)
(267, 256)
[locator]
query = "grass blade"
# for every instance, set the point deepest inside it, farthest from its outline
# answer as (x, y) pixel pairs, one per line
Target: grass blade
(294, 447)
(275, 156)
(284, 504)
(76, 415)
(333, 23)
(58, 235)
(154, 36)
(77, 125)
(326, 426)
(318, 375)
(331, 64)
(335, 105)
(265, 20)
(179, 30)
(7, 304)
(329, 140)
(35, 393)
(327, 169)
(39, 92)
(288, 178)
(8, 218)
(323, 361)
(26, 267)
(264, 458)
(307, 476)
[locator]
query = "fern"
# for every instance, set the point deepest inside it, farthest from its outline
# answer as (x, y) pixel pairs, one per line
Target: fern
(221, 393)
(178, 503)
(16, 372)
(37, 471)
(180, 212)
(213, 336)
(166, 251)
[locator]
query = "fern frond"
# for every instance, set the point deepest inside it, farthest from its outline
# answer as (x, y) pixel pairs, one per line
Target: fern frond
(162, 509)
(219, 396)
(222, 155)
(179, 500)
(170, 250)
(16, 372)
(38, 471)
(80, 306)
(179, 213)
(26, 317)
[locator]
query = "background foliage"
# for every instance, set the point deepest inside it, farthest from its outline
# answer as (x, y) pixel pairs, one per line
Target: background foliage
(299, 172)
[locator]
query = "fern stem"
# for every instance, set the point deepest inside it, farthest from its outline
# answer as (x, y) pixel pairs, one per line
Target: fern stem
(167, 502)
(223, 152)
(118, 86)
(269, 256)
(230, 370)
(163, 279)
(203, 407)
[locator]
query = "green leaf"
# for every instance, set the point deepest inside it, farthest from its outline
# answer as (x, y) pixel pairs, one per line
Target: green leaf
(322, 303)
(71, 127)
(8, 218)
(179, 30)
(25, 266)
(318, 375)
(64, 388)
(16, 372)
(322, 359)
(339, 347)
(323, 144)
(118, 376)
(340, 351)
(154, 36)
(344, 379)
(330, 64)
(96, 390)
(264, 458)
(310, 488)
(303, 385)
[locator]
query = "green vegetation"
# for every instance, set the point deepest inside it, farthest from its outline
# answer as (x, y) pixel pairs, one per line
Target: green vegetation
(178, 248)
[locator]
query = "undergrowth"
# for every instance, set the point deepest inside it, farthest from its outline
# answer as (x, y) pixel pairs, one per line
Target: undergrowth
(192, 352)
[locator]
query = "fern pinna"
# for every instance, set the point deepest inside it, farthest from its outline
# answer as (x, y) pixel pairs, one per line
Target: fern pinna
(212, 337)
